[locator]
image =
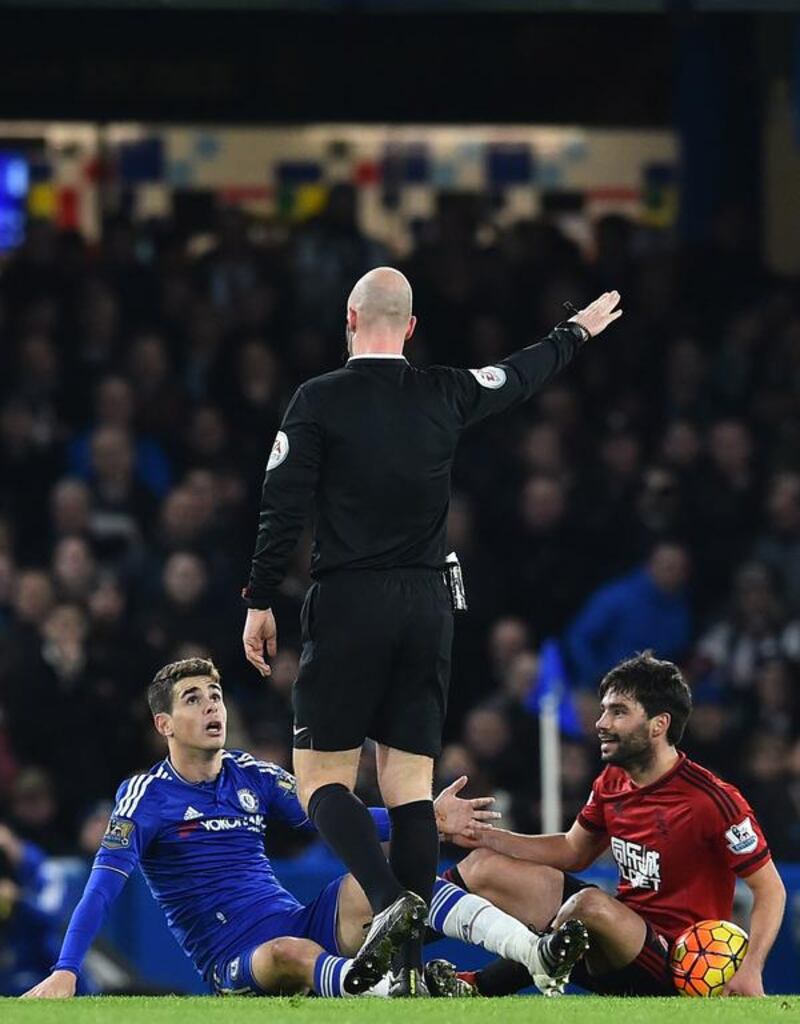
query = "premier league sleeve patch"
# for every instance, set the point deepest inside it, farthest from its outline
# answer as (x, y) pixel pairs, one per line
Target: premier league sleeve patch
(288, 783)
(118, 834)
(283, 780)
(491, 377)
(280, 449)
(741, 838)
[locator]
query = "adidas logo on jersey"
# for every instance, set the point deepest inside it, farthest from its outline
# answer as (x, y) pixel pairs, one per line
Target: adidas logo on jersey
(191, 814)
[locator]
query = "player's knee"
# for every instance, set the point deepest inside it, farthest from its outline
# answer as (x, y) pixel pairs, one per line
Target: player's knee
(288, 956)
(479, 869)
(283, 966)
(592, 906)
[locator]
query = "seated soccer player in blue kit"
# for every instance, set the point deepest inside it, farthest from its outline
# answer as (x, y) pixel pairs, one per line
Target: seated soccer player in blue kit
(195, 824)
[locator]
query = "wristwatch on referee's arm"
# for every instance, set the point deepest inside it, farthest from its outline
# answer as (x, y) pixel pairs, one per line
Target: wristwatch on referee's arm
(573, 311)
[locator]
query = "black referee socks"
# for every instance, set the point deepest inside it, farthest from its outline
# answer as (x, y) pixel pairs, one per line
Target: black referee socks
(347, 827)
(414, 858)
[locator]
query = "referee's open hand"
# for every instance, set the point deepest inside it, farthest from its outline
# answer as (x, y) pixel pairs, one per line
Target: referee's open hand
(459, 816)
(260, 630)
(599, 314)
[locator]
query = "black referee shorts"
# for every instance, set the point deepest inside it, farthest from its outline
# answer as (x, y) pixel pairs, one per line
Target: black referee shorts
(375, 661)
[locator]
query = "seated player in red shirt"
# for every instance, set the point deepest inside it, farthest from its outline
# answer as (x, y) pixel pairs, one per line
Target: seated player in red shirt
(680, 837)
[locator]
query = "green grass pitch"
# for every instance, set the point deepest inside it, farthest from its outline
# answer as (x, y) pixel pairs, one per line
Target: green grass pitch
(298, 1010)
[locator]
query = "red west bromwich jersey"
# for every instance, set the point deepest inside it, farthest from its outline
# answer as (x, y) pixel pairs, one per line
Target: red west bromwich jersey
(679, 843)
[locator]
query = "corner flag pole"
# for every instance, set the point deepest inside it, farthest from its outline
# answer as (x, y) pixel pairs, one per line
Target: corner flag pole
(550, 761)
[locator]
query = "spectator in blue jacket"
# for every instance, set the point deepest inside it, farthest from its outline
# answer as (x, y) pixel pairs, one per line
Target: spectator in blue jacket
(647, 608)
(30, 929)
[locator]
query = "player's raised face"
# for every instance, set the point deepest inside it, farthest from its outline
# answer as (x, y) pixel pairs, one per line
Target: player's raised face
(198, 719)
(624, 730)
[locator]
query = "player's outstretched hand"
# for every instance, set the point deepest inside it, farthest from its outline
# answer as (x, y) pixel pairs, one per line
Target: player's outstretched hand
(599, 314)
(260, 630)
(60, 985)
(746, 982)
(456, 816)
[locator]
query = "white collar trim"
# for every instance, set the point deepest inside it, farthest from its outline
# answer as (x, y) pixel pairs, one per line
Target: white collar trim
(379, 355)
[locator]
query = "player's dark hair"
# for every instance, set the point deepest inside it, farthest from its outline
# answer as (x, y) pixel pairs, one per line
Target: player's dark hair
(161, 691)
(657, 685)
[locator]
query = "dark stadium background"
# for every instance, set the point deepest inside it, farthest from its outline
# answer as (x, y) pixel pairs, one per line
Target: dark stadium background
(679, 427)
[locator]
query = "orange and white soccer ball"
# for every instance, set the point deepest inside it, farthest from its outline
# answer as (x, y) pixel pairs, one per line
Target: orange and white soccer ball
(706, 956)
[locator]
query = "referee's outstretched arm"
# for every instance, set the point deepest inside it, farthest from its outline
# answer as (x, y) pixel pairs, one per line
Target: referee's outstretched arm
(476, 394)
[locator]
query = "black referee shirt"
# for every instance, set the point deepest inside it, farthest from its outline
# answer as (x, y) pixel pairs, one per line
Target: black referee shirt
(369, 448)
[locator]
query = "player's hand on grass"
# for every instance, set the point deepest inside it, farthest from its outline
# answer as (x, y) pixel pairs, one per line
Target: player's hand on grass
(746, 982)
(60, 985)
(457, 816)
(260, 630)
(599, 314)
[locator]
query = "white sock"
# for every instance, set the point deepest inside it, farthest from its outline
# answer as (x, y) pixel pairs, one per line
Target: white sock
(329, 974)
(462, 915)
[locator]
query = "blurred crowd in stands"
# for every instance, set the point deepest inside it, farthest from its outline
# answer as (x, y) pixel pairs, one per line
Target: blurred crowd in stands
(649, 498)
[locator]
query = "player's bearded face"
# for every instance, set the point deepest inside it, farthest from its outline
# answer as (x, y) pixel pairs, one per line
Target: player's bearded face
(624, 732)
(633, 748)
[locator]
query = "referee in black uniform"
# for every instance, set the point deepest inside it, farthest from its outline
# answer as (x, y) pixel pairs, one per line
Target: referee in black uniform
(368, 448)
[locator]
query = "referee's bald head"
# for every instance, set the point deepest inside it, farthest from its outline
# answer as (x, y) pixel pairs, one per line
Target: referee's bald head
(382, 298)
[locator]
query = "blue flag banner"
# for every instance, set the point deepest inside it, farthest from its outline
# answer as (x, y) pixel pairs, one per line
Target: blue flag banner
(552, 679)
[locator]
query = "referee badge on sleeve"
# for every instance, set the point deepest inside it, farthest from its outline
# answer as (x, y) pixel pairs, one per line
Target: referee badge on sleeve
(491, 377)
(280, 449)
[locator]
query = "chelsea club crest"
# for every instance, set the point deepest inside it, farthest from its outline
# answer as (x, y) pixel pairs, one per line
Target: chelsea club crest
(248, 800)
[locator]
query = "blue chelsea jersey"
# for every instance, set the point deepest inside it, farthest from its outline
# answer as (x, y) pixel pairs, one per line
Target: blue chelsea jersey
(201, 849)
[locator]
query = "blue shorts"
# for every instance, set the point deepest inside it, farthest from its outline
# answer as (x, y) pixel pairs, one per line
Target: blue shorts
(233, 975)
